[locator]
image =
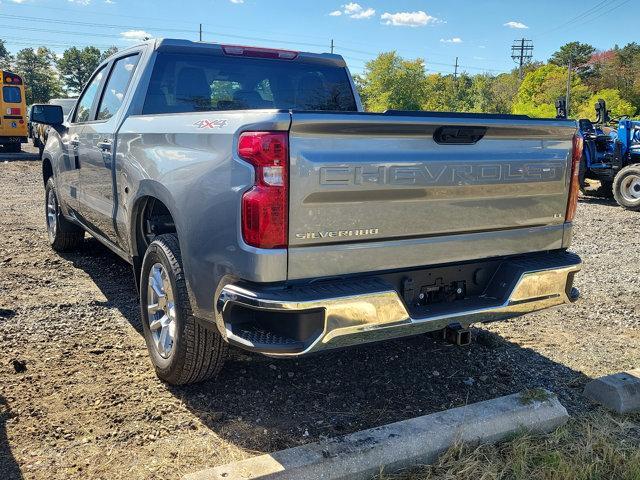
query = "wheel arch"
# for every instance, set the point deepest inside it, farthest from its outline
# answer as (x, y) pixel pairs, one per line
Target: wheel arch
(47, 169)
(152, 203)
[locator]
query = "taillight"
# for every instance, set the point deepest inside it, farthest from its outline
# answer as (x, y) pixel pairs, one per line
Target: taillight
(14, 111)
(265, 206)
(574, 182)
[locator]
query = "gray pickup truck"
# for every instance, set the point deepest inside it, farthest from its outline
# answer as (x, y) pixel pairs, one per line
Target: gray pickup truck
(261, 207)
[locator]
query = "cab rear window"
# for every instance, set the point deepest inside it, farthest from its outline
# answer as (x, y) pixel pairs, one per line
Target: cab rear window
(193, 83)
(11, 94)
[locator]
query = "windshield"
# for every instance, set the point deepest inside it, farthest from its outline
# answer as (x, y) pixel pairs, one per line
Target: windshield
(192, 83)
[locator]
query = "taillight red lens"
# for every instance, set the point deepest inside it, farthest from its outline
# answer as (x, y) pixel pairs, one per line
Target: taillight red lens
(15, 111)
(574, 182)
(265, 206)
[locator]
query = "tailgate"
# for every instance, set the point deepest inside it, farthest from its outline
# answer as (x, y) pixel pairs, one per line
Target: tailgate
(378, 177)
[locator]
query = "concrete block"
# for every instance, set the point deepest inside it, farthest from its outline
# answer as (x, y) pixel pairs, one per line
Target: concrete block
(619, 392)
(399, 445)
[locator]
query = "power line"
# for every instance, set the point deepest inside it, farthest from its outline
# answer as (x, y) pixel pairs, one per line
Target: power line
(194, 32)
(600, 9)
(607, 12)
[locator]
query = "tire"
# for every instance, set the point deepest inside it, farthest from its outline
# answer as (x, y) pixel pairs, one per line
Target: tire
(188, 352)
(40, 151)
(626, 187)
(12, 147)
(63, 235)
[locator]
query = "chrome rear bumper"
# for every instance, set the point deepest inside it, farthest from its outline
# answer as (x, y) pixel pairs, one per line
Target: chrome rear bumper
(360, 311)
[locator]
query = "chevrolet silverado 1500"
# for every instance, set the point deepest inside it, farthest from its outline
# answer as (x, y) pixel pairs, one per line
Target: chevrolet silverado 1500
(261, 207)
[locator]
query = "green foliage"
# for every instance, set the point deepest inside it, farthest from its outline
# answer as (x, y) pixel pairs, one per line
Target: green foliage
(389, 82)
(6, 59)
(578, 53)
(36, 69)
(542, 87)
(108, 52)
(615, 104)
(76, 66)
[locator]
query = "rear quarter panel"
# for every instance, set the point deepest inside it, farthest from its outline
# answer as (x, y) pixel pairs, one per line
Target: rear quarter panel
(196, 173)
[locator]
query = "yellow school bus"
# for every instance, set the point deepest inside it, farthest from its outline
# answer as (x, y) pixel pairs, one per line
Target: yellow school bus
(13, 112)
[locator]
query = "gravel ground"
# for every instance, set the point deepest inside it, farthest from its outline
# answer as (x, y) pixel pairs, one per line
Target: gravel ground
(78, 397)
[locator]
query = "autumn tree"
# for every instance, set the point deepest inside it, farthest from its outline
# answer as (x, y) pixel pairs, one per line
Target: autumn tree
(615, 104)
(76, 66)
(390, 82)
(36, 69)
(542, 87)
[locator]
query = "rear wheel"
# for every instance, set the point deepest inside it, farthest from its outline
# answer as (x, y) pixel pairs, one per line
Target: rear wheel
(63, 235)
(626, 187)
(181, 349)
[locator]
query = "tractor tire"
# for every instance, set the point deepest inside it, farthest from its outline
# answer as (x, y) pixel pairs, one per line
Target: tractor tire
(626, 187)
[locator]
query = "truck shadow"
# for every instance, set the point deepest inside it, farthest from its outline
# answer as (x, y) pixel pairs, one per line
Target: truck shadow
(264, 404)
(8, 465)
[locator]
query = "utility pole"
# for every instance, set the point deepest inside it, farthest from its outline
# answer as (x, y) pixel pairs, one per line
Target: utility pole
(332, 45)
(568, 83)
(200, 32)
(455, 72)
(521, 53)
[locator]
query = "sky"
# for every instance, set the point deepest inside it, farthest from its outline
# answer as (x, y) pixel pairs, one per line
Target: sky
(479, 32)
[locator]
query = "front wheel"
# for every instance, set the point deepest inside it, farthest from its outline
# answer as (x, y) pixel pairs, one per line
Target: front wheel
(63, 235)
(626, 187)
(181, 349)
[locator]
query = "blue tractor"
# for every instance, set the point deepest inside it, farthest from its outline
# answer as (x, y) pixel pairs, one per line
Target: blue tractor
(611, 155)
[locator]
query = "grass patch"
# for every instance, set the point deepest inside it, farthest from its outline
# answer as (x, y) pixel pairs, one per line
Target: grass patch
(597, 446)
(532, 395)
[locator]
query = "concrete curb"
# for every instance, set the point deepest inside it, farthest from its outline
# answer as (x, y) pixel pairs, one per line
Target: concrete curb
(420, 440)
(619, 392)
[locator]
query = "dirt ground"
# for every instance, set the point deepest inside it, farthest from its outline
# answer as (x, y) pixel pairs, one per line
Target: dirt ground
(78, 397)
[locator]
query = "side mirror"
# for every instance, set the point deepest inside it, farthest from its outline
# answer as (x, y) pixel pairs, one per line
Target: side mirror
(47, 114)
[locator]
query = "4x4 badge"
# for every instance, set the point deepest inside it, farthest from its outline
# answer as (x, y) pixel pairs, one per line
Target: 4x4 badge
(210, 123)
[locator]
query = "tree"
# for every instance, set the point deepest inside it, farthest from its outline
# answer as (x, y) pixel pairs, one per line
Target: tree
(6, 59)
(504, 90)
(108, 52)
(390, 82)
(542, 87)
(76, 66)
(576, 52)
(40, 79)
(615, 104)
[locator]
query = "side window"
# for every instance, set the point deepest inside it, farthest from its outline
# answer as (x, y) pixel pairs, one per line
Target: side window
(86, 101)
(116, 87)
